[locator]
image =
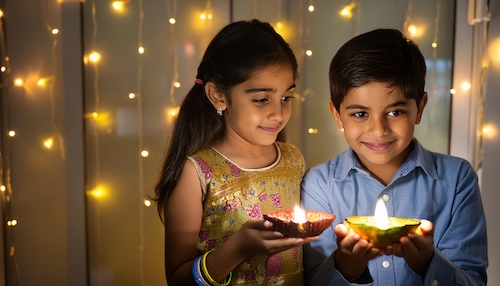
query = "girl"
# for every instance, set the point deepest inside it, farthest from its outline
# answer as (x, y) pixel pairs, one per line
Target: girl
(224, 169)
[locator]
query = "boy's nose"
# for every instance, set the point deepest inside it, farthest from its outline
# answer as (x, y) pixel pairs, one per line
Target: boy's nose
(378, 127)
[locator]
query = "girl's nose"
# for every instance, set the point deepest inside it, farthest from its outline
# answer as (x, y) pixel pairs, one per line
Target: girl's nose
(276, 111)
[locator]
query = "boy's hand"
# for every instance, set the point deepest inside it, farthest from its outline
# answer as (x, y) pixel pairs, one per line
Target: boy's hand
(417, 248)
(353, 253)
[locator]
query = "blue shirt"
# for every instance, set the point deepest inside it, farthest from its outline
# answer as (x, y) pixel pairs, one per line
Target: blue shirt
(440, 188)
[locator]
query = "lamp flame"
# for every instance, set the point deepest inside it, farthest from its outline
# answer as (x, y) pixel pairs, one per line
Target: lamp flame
(299, 215)
(381, 217)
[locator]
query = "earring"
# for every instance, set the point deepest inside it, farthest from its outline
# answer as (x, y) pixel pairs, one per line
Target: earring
(219, 111)
(342, 129)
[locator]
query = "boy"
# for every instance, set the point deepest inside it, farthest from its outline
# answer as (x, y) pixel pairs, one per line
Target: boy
(377, 84)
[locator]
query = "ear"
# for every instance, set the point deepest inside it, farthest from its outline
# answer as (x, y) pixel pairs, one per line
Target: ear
(421, 106)
(217, 98)
(335, 114)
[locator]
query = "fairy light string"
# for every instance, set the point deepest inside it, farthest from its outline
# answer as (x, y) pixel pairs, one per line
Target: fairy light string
(175, 84)
(142, 152)
(8, 220)
(95, 190)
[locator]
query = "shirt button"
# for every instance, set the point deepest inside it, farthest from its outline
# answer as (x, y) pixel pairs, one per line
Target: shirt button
(386, 264)
(434, 283)
(386, 197)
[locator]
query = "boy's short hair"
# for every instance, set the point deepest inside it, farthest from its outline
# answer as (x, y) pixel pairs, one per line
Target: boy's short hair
(382, 55)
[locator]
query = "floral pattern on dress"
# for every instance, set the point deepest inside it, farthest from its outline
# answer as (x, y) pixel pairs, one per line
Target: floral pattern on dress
(255, 211)
(276, 199)
(207, 171)
(235, 171)
(274, 265)
(233, 204)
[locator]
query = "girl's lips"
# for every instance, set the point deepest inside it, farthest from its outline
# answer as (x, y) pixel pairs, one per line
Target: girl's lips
(377, 146)
(270, 129)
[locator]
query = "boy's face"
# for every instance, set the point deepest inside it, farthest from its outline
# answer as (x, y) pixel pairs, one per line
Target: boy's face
(378, 123)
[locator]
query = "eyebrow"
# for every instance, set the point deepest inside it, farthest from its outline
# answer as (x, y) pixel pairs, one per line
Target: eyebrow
(395, 104)
(252, 90)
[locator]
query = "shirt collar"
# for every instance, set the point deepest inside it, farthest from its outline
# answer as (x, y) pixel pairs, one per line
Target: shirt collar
(418, 157)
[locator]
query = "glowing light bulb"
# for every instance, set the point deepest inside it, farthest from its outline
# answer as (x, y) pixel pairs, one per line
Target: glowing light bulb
(203, 16)
(171, 21)
(412, 29)
(118, 5)
(465, 85)
(3, 69)
(309, 53)
(41, 82)
(1, 13)
(131, 95)
(48, 143)
(310, 8)
(489, 131)
(453, 91)
(18, 82)
(12, 133)
(147, 202)
(434, 45)
(144, 153)
(177, 84)
(97, 192)
(141, 50)
(171, 113)
(55, 31)
(12, 222)
(3, 188)
(347, 10)
(95, 57)
(312, 131)
(381, 217)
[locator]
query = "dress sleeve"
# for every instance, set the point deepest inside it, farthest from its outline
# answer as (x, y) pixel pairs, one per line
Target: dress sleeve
(201, 176)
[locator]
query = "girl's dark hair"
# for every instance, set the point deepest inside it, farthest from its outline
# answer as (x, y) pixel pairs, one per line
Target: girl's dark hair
(237, 51)
(382, 55)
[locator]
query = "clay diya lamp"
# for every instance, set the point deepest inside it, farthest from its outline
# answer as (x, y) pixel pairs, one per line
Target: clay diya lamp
(382, 230)
(300, 223)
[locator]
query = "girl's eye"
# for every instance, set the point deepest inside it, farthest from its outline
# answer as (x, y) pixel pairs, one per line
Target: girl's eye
(286, 98)
(360, 114)
(262, 100)
(395, 113)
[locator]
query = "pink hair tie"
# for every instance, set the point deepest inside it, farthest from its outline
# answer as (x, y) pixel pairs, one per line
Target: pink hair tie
(198, 81)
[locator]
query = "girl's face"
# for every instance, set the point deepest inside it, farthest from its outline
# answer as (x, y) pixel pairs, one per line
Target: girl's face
(260, 107)
(378, 123)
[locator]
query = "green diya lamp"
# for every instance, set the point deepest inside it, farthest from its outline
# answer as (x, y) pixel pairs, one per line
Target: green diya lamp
(300, 223)
(382, 230)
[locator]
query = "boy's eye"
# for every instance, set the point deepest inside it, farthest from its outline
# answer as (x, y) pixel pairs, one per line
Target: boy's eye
(360, 114)
(286, 98)
(395, 113)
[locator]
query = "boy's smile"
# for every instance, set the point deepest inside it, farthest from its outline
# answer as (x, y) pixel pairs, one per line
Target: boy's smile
(378, 123)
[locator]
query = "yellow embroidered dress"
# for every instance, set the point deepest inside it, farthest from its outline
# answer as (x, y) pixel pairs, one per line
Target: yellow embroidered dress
(232, 195)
